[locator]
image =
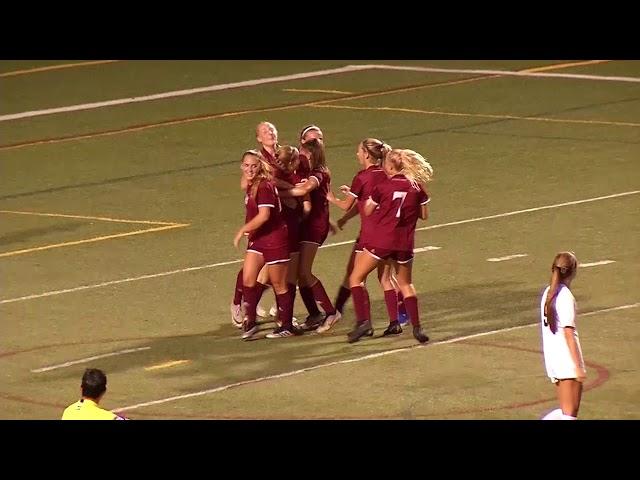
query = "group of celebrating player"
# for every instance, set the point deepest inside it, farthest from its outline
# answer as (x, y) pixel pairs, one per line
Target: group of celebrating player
(287, 196)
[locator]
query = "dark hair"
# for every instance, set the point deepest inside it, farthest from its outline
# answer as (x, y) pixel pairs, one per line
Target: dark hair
(564, 265)
(318, 159)
(308, 128)
(94, 383)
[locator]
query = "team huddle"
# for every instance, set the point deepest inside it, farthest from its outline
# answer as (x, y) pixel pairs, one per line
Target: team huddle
(287, 197)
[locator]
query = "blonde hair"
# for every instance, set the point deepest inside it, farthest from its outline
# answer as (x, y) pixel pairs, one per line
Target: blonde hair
(411, 164)
(286, 157)
(564, 266)
(376, 149)
(264, 172)
(271, 125)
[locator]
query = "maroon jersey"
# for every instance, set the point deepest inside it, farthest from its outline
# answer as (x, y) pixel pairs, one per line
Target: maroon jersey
(291, 206)
(319, 216)
(271, 160)
(272, 233)
(361, 188)
(399, 209)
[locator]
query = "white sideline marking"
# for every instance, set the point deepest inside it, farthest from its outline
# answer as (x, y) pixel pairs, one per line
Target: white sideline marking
(181, 93)
(296, 76)
(535, 209)
(605, 78)
(426, 249)
(508, 257)
(342, 362)
(116, 282)
(88, 359)
(595, 264)
(219, 264)
(612, 309)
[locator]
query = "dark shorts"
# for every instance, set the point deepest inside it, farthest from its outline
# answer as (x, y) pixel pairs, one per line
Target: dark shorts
(400, 256)
(313, 234)
(294, 235)
(271, 255)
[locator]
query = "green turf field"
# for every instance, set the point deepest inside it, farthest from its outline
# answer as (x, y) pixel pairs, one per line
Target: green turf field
(117, 225)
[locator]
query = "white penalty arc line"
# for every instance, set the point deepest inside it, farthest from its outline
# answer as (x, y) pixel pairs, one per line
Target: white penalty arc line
(181, 93)
(89, 359)
(343, 362)
(219, 264)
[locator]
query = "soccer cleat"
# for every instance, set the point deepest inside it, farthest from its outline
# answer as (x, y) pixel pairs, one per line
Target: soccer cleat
(419, 335)
(329, 322)
(360, 331)
(394, 328)
(260, 311)
(236, 315)
(403, 318)
(313, 321)
(283, 332)
(273, 311)
(294, 321)
(250, 331)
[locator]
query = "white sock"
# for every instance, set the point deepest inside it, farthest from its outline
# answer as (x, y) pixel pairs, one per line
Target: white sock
(554, 415)
(568, 417)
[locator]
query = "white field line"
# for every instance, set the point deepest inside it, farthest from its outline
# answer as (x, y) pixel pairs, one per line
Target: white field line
(527, 210)
(219, 264)
(89, 359)
(342, 362)
(575, 76)
(508, 257)
(428, 248)
(297, 76)
(181, 93)
(595, 264)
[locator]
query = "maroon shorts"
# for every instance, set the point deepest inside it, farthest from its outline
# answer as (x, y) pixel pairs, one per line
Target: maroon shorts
(294, 235)
(271, 255)
(400, 256)
(313, 233)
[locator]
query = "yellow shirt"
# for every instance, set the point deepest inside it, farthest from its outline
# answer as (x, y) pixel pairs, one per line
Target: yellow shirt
(86, 409)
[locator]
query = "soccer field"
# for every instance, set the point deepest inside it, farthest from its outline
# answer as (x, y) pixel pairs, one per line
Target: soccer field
(121, 199)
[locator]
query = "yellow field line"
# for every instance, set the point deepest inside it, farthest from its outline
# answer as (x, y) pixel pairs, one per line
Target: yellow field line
(563, 65)
(245, 112)
(55, 67)
(315, 91)
(481, 115)
(84, 217)
(90, 240)
(167, 364)
(404, 90)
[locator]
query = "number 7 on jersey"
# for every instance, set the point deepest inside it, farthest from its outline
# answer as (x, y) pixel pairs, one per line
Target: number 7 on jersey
(401, 196)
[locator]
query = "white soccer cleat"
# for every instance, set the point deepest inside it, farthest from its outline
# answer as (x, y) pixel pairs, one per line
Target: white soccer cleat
(248, 334)
(260, 311)
(294, 322)
(236, 315)
(329, 322)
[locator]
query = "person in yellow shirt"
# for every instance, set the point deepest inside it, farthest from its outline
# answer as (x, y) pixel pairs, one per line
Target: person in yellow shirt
(93, 387)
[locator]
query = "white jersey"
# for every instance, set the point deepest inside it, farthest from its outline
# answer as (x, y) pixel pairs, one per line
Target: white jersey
(557, 356)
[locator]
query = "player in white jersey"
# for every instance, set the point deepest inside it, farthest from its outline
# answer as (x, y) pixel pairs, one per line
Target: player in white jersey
(560, 343)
